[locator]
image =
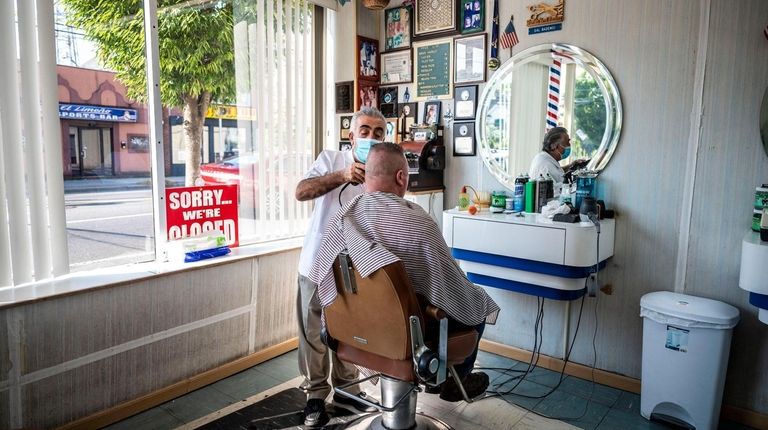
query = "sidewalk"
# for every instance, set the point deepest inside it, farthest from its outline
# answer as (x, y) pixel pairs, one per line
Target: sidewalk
(100, 184)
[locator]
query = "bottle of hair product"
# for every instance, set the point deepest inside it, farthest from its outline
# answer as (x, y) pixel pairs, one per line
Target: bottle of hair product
(542, 193)
(519, 196)
(530, 196)
(463, 199)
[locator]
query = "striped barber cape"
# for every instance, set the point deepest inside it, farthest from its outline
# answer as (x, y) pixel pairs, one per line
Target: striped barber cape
(380, 228)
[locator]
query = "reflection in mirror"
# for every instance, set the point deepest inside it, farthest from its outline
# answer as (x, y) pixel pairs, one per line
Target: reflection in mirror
(764, 121)
(513, 113)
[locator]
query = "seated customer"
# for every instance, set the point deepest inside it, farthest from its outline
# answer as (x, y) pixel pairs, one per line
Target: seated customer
(380, 227)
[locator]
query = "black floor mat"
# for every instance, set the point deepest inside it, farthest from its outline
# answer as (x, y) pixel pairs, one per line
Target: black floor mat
(280, 411)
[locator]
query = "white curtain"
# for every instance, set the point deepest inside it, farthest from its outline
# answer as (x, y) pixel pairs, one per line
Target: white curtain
(274, 58)
(33, 237)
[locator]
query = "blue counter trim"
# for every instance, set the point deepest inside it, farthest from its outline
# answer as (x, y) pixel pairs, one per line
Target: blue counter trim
(523, 264)
(522, 287)
(759, 300)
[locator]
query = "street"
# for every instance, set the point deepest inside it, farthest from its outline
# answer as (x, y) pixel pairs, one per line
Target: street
(109, 228)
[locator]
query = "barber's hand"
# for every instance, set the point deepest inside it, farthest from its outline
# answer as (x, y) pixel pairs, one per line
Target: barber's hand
(355, 173)
(577, 164)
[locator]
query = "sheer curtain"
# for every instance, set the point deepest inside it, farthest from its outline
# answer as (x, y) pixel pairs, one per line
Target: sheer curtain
(33, 237)
(274, 68)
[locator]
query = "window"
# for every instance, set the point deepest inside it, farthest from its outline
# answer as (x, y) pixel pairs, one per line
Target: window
(237, 107)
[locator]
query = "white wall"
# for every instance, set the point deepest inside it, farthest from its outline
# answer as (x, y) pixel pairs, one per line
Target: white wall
(651, 49)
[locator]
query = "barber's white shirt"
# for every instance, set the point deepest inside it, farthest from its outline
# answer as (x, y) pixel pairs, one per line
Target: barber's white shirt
(326, 205)
(544, 163)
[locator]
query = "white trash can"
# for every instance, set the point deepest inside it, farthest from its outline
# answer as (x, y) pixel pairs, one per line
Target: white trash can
(686, 342)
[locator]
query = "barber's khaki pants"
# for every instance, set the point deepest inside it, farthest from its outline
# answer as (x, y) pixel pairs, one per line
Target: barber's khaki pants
(313, 354)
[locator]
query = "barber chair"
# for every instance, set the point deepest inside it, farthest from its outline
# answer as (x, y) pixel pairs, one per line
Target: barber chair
(379, 323)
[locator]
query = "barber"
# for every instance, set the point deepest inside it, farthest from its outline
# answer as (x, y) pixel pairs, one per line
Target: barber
(334, 178)
(555, 147)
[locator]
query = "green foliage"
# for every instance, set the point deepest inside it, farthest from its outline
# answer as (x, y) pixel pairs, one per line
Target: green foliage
(589, 116)
(195, 44)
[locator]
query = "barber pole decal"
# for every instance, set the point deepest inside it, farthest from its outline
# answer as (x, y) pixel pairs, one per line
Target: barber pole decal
(553, 94)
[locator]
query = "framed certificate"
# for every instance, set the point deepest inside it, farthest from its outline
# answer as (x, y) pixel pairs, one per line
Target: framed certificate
(465, 102)
(396, 67)
(434, 18)
(463, 139)
(469, 57)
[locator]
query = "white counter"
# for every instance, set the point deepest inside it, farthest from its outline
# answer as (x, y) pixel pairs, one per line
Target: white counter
(754, 257)
(527, 253)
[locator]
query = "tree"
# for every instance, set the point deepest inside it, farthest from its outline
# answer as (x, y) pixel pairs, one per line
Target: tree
(196, 56)
(589, 115)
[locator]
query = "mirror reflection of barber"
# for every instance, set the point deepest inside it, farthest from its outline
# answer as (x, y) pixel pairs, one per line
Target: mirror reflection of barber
(556, 146)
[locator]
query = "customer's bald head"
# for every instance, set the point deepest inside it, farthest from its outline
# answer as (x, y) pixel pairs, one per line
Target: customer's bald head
(386, 169)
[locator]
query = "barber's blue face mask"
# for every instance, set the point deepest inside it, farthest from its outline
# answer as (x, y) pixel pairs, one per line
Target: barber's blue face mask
(566, 153)
(362, 146)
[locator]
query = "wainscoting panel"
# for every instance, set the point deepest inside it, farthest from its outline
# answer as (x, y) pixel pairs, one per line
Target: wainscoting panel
(276, 305)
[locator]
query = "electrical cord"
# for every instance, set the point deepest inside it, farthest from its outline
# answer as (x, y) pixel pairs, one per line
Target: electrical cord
(502, 394)
(537, 352)
(342, 191)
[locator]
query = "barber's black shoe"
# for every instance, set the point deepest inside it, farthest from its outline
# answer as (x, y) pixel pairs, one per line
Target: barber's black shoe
(314, 413)
(474, 384)
(346, 402)
(433, 389)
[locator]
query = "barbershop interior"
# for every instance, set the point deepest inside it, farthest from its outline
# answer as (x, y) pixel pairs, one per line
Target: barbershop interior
(384, 214)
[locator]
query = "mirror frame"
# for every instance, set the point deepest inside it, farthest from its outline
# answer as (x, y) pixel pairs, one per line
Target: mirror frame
(599, 73)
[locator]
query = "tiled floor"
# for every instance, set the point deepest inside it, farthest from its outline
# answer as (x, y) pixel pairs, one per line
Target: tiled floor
(575, 402)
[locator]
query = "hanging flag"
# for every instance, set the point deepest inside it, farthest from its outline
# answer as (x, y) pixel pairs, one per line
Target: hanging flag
(493, 62)
(509, 38)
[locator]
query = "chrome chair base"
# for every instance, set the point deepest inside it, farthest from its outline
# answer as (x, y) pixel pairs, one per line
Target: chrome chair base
(374, 422)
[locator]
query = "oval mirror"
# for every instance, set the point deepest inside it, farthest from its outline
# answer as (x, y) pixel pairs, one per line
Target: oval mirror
(522, 97)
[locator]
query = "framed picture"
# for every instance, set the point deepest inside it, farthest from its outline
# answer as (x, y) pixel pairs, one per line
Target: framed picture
(397, 28)
(391, 134)
(345, 124)
(434, 18)
(465, 102)
(388, 101)
(396, 67)
(432, 112)
(433, 67)
(345, 96)
(367, 94)
(463, 139)
(470, 59)
(345, 146)
(367, 59)
(138, 143)
(409, 115)
(472, 16)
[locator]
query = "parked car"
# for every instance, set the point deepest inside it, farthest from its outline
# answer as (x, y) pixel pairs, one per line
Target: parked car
(282, 173)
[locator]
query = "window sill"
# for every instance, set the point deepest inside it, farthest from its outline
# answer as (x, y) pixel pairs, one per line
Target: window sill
(79, 282)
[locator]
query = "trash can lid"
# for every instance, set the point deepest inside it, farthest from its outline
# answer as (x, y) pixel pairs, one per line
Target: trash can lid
(691, 308)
